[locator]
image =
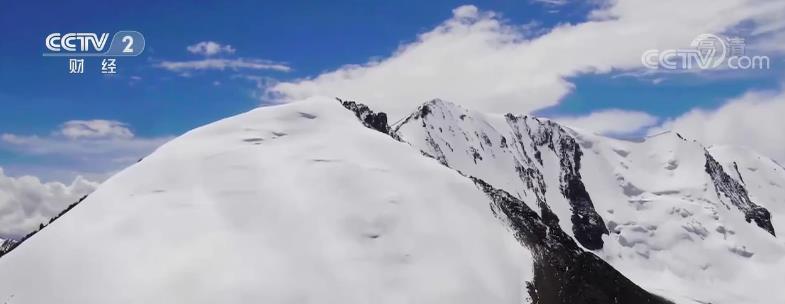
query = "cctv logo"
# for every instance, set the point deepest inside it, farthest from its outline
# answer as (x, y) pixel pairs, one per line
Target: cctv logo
(84, 42)
(122, 44)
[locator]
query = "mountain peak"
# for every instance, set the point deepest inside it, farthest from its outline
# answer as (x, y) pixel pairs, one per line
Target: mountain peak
(324, 201)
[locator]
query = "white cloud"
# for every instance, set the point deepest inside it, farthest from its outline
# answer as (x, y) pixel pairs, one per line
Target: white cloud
(94, 148)
(753, 120)
(97, 128)
(552, 2)
(80, 148)
(465, 11)
(26, 202)
(209, 48)
(223, 64)
(611, 122)
(476, 59)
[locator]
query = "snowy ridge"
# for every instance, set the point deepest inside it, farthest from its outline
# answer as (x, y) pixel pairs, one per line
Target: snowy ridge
(737, 194)
(297, 203)
(763, 178)
(669, 227)
(520, 154)
(304, 203)
(587, 226)
(563, 271)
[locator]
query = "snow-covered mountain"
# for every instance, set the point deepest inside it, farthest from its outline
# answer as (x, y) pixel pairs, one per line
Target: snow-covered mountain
(676, 217)
(301, 203)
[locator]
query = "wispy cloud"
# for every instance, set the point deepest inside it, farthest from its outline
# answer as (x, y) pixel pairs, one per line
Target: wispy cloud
(94, 129)
(209, 48)
(223, 64)
(101, 146)
(552, 2)
(611, 122)
(83, 148)
(187, 68)
(262, 83)
(753, 119)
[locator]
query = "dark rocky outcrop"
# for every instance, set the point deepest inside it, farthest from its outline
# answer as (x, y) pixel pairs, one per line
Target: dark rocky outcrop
(737, 194)
(527, 139)
(376, 121)
(587, 225)
(6, 246)
(563, 272)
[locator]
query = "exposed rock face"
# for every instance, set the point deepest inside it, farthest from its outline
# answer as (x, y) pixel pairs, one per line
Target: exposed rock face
(415, 222)
(6, 246)
(737, 195)
(376, 121)
(564, 273)
(655, 198)
(468, 143)
(587, 225)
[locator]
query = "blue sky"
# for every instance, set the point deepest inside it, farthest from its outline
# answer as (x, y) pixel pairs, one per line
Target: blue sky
(38, 96)
(310, 36)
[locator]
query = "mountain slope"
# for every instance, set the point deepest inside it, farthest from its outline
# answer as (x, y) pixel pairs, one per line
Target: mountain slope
(763, 178)
(311, 202)
(297, 203)
(676, 222)
(520, 154)
(563, 271)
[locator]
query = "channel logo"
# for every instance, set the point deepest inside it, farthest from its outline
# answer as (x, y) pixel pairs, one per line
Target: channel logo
(123, 43)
